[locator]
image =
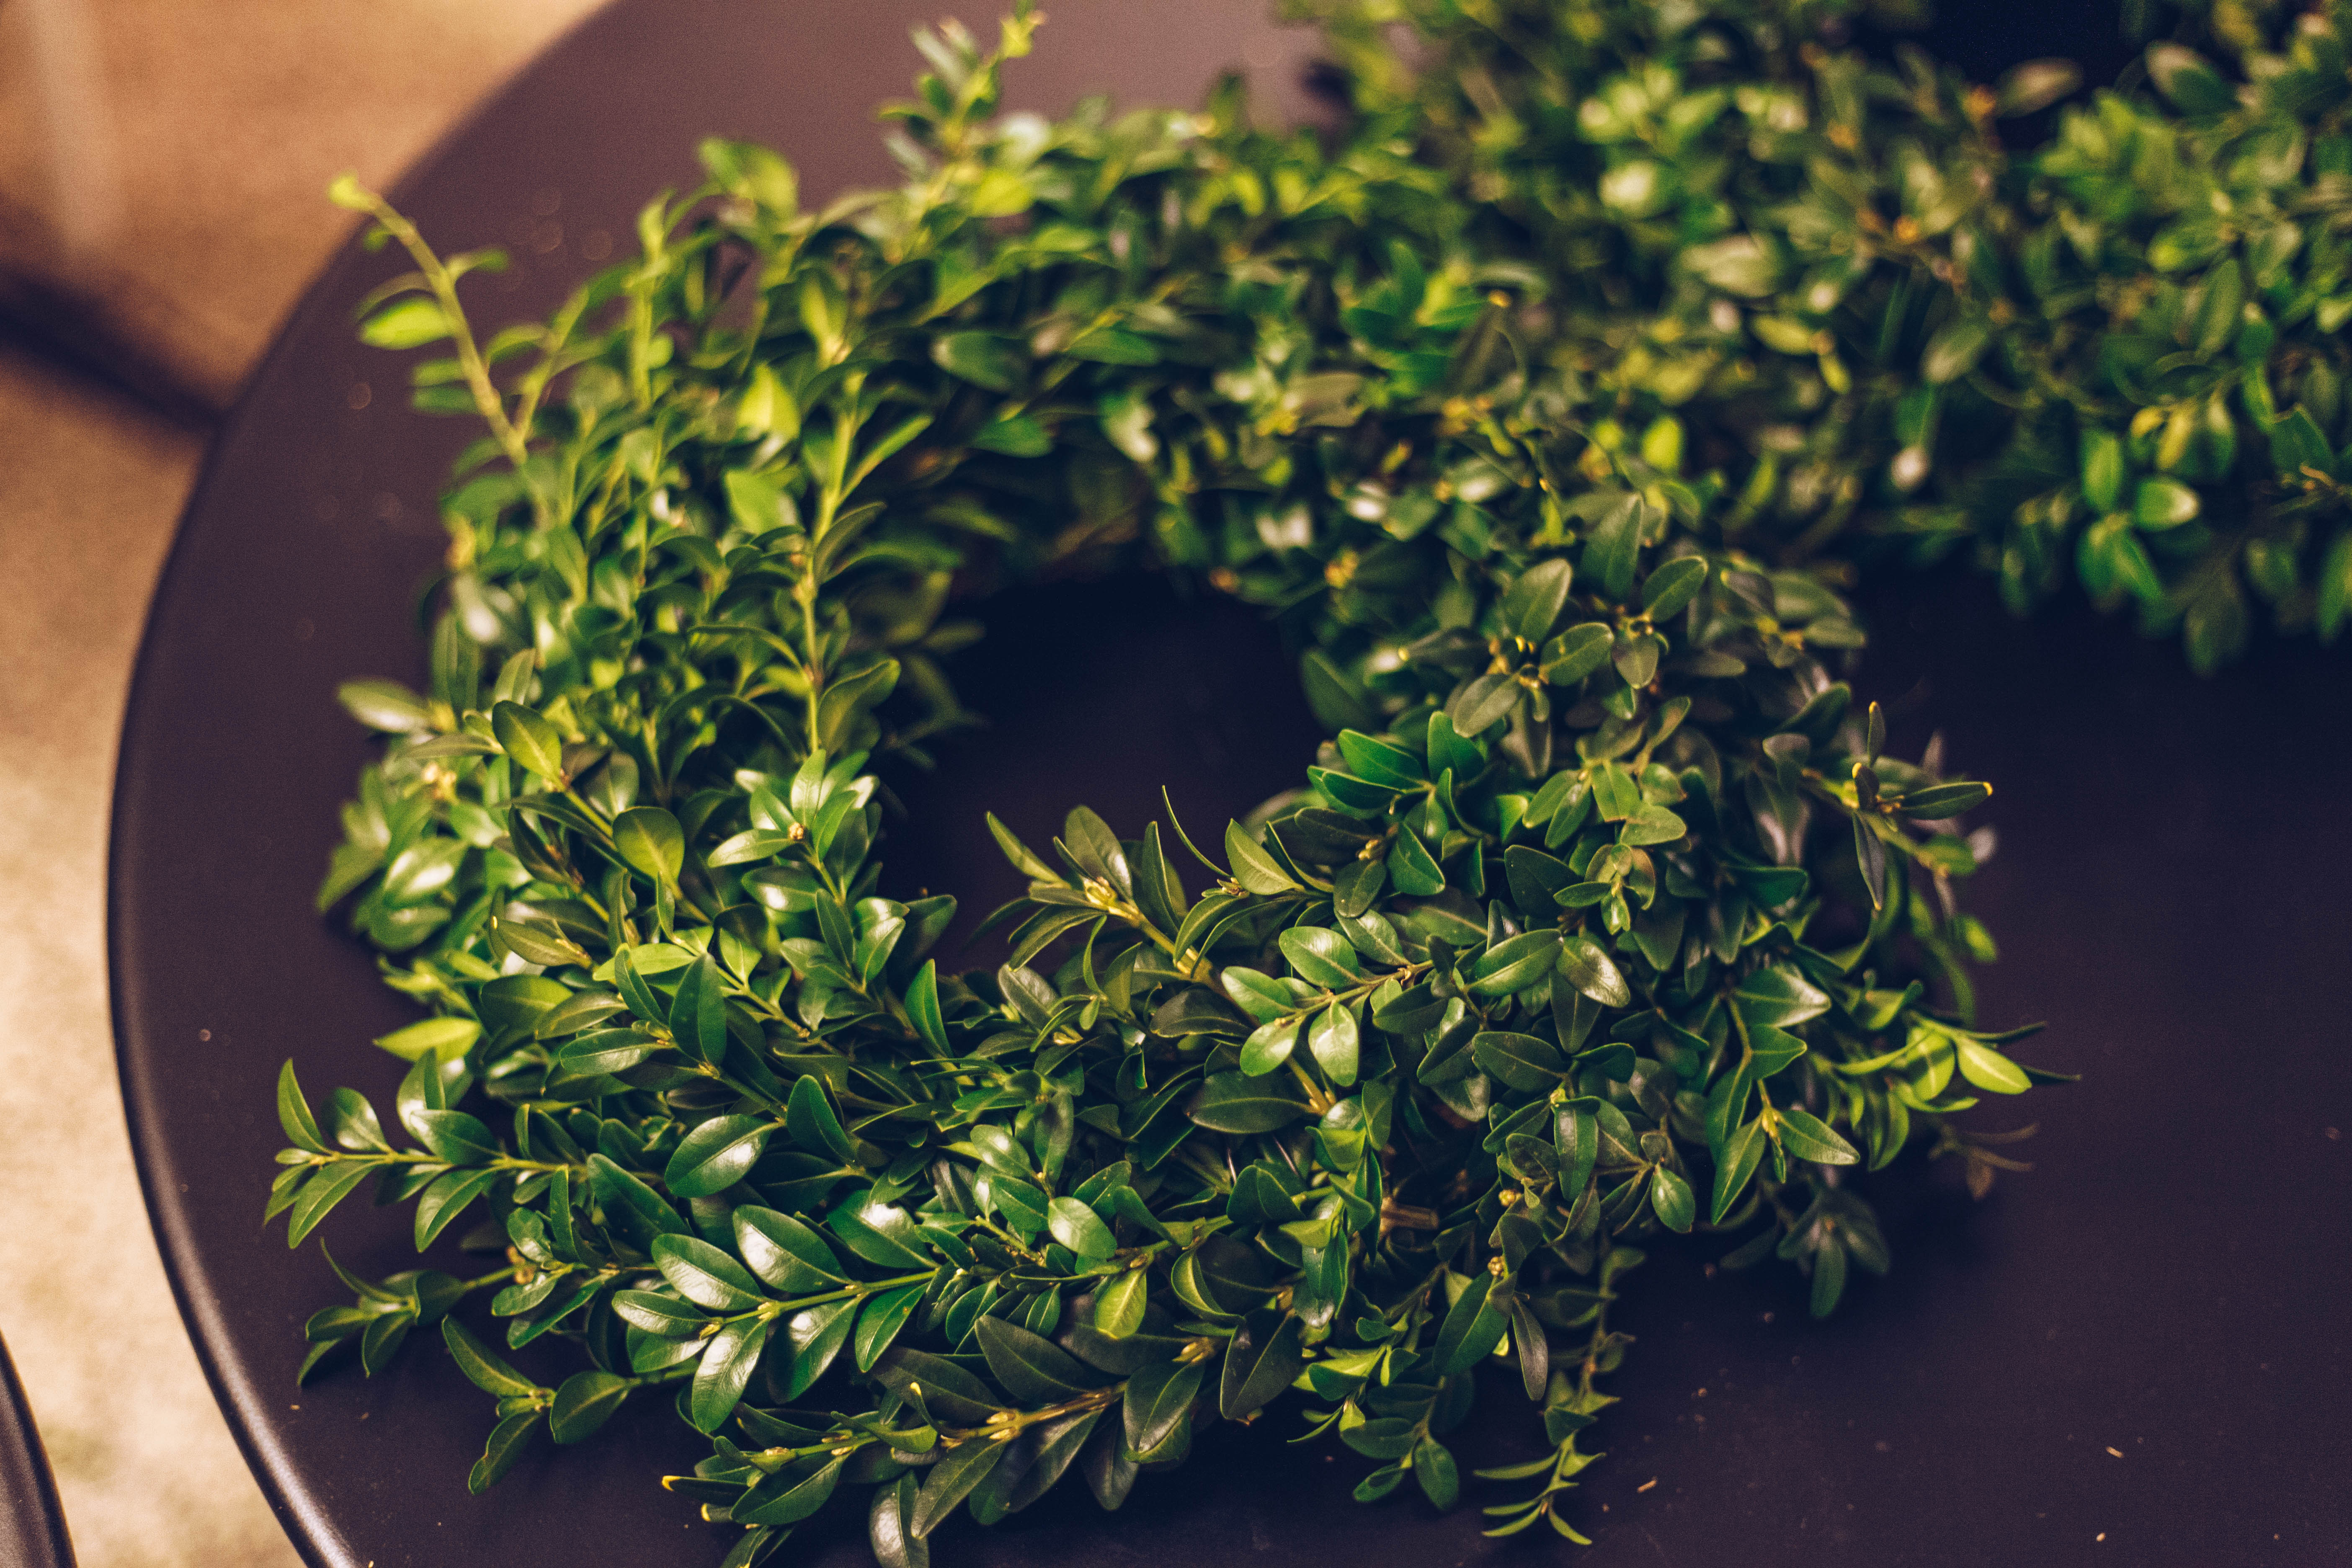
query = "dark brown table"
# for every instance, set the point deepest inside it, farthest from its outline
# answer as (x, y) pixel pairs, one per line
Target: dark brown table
(32, 1525)
(2143, 1339)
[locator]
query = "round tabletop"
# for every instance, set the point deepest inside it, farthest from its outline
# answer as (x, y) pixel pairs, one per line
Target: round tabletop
(32, 1525)
(2138, 1344)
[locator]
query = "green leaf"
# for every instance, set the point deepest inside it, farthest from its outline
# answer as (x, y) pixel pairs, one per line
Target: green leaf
(784, 1498)
(454, 1136)
(630, 1204)
(813, 1338)
(2183, 76)
(2335, 588)
(650, 840)
(1381, 761)
(1776, 996)
(1471, 1328)
(1515, 963)
(1988, 1069)
(878, 1322)
(1535, 599)
(1014, 436)
(1260, 1360)
(2104, 467)
(1336, 700)
(1334, 1041)
(1652, 825)
(1577, 1136)
(1808, 1137)
(384, 705)
(658, 1314)
(949, 1390)
(1119, 1303)
(1158, 1397)
(584, 1401)
(809, 1118)
(1736, 1163)
(1028, 1366)
(294, 1113)
(530, 739)
(1666, 591)
(882, 1234)
(357, 1126)
(1321, 956)
(784, 1252)
(1612, 546)
(446, 1198)
(1576, 653)
(922, 1004)
(1025, 861)
(606, 1052)
(705, 1276)
(407, 323)
(1954, 351)
(321, 1193)
(951, 1479)
(697, 1019)
(1595, 973)
(1936, 802)
(1234, 1102)
(1434, 1468)
(508, 1440)
(1672, 1196)
(448, 1038)
(716, 1155)
(1412, 867)
(1261, 997)
(1080, 1229)
(1252, 868)
(889, 1522)
(1484, 704)
(985, 360)
(485, 1370)
(2035, 85)
(1269, 1046)
(2160, 504)
(1829, 1278)
(1523, 1061)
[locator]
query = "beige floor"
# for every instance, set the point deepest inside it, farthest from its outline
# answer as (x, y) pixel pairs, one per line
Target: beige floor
(161, 162)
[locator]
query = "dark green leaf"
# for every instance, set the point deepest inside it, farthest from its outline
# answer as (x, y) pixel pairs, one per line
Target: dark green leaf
(1031, 1368)
(1595, 973)
(1080, 1229)
(809, 1119)
(697, 1019)
(1472, 1326)
(786, 1497)
(508, 1440)
(705, 1276)
(725, 1371)
(485, 1370)
(584, 1401)
(953, 1478)
(1260, 1360)
(1234, 1102)
(1523, 1061)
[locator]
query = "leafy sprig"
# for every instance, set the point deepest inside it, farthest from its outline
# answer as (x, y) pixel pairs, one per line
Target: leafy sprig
(2116, 357)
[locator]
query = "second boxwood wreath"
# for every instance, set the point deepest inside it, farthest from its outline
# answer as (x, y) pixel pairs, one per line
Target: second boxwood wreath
(1601, 913)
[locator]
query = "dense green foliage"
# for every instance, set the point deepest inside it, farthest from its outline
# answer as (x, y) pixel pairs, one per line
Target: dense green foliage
(1601, 913)
(2114, 356)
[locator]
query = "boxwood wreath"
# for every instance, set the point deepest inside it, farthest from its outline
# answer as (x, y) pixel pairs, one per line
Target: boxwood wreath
(1550, 403)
